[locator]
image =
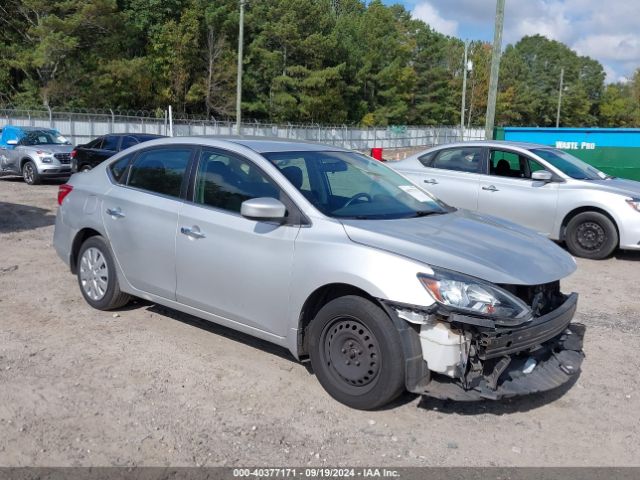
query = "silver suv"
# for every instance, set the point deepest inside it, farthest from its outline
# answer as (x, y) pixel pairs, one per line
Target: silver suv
(331, 255)
(35, 153)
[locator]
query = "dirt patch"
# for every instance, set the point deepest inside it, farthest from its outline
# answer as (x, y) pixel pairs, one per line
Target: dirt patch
(151, 386)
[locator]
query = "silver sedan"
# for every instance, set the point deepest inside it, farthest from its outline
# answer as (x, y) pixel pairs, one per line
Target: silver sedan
(539, 187)
(331, 255)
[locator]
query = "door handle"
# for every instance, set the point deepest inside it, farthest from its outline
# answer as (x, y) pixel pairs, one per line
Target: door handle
(193, 232)
(432, 181)
(491, 188)
(115, 212)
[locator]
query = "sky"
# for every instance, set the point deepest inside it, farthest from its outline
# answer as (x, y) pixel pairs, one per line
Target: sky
(605, 30)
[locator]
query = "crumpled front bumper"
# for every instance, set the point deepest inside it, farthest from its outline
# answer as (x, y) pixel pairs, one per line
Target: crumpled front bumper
(558, 362)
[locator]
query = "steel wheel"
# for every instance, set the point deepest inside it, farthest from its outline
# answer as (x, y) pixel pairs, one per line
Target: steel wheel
(356, 352)
(94, 273)
(590, 236)
(351, 352)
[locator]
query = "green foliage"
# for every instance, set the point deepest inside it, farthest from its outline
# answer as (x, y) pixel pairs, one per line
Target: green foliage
(320, 61)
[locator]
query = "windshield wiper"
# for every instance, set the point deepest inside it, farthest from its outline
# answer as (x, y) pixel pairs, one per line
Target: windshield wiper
(426, 213)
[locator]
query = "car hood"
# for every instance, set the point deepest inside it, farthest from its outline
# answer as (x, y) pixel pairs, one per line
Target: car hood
(51, 148)
(621, 186)
(481, 246)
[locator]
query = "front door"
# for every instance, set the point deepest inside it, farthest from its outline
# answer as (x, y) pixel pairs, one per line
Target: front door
(141, 216)
(226, 264)
(509, 192)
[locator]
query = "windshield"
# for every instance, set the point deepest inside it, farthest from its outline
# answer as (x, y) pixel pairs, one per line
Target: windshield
(350, 185)
(569, 165)
(44, 137)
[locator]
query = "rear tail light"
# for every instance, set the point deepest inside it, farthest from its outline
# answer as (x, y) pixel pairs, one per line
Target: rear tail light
(73, 154)
(63, 191)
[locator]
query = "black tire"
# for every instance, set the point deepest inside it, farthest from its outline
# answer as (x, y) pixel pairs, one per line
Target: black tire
(112, 297)
(591, 235)
(30, 173)
(356, 353)
(84, 168)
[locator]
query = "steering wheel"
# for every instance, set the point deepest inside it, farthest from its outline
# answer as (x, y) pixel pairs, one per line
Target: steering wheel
(355, 197)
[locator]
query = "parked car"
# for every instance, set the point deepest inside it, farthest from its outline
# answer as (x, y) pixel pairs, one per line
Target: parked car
(540, 187)
(35, 153)
(85, 157)
(331, 255)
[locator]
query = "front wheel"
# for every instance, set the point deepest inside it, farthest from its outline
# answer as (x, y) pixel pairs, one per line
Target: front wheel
(30, 173)
(97, 276)
(591, 235)
(356, 353)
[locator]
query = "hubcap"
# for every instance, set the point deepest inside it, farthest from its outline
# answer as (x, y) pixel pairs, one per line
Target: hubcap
(351, 351)
(28, 173)
(591, 236)
(94, 273)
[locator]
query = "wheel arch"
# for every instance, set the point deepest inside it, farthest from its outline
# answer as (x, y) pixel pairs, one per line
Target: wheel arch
(25, 160)
(588, 208)
(78, 240)
(416, 370)
(318, 298)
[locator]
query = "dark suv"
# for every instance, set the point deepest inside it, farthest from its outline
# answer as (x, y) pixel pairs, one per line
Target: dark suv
(85, 157)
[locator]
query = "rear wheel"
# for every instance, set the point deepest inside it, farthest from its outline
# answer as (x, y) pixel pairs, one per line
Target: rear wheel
(30, 173)
(97, 276)
(356, 353)
(591, 235)
(85, 168)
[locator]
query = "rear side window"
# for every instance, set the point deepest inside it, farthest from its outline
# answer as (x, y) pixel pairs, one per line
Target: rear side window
(427, 159)
(460, 159)
(160, 171)
(97, 143)
(110, 143)
(119, 168)
(128, 142)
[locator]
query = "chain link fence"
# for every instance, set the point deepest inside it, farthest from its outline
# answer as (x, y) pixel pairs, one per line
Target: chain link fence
(81, 126)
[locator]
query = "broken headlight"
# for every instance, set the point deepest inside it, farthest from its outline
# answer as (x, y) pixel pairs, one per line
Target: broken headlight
(474, 296)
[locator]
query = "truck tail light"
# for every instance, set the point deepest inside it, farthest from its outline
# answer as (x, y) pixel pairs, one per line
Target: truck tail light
(73, 154)
(63, 191)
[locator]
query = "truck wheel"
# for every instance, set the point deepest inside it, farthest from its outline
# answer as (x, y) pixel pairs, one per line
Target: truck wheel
(85, 168)
(97, 276)
(591, 235)
(30, 173)
(356, 353)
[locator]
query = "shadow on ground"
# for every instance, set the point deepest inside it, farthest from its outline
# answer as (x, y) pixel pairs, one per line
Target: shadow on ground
(15, 217)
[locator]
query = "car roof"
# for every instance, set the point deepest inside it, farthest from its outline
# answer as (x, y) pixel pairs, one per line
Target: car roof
(27, 129)
(134, 135)
(269, 144)
(491, 143)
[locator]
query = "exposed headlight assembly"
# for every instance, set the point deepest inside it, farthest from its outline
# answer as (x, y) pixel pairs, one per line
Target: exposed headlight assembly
(634, 203)
(474, 296)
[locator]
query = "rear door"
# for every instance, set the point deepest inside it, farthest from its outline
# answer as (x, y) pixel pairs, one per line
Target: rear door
(453, 175)
(226, 264)
(141, 217)
(509, 192)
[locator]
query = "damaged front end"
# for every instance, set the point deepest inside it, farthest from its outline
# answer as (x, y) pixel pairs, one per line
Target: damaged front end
(479, 353)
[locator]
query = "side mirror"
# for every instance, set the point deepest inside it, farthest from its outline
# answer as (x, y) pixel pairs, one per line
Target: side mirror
(542, 176)
(264, 208)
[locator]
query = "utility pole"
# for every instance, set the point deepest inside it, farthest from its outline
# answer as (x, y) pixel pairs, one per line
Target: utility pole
(465, 67)
(495, 70)
(560, 97)
(239, 80)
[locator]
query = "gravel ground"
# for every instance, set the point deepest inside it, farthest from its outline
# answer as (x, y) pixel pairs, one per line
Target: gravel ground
(151, 386)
